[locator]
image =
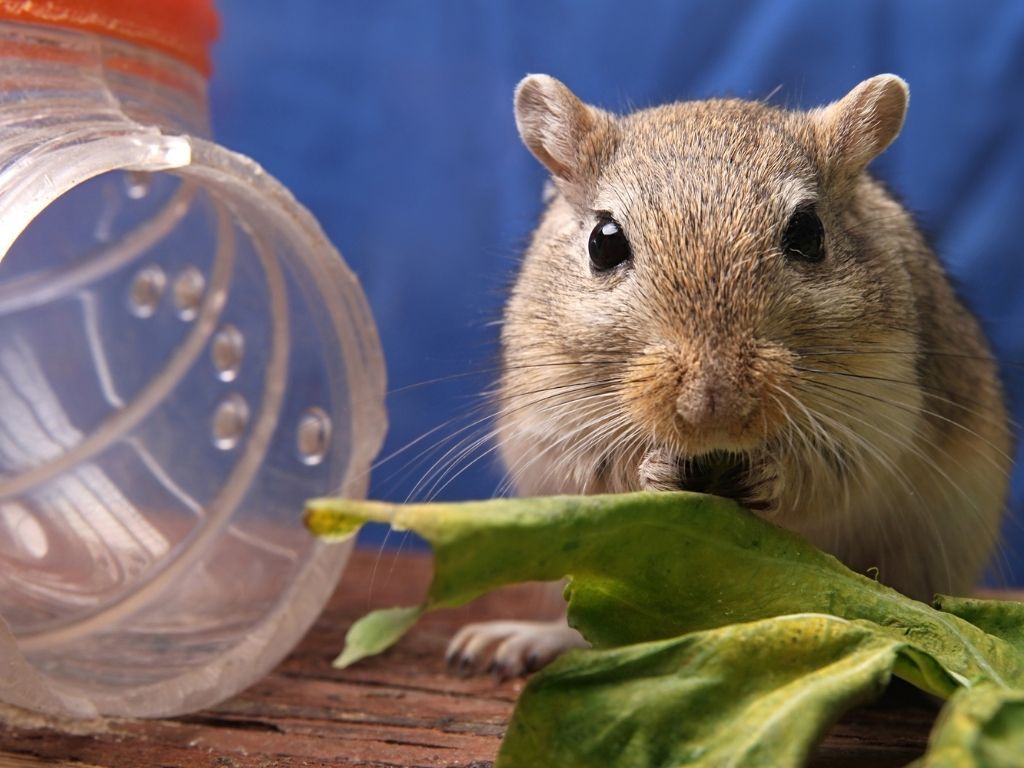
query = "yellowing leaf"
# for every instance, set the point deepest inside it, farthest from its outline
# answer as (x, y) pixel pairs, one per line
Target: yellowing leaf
(1002, 618)
(755, 694)
(980, 727)
(647, 566)
(730, 642)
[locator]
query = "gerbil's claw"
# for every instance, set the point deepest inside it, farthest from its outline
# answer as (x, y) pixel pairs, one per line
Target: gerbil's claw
(459, 661)
(498, 672)
(466, 665)
(515, 647)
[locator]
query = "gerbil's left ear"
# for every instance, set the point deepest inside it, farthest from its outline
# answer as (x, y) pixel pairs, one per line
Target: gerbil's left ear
(857, 128)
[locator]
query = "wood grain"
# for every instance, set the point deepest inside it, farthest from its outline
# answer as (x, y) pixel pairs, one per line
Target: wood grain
(401, 709)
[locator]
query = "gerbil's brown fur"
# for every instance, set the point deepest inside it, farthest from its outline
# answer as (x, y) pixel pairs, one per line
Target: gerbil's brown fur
(856, 394)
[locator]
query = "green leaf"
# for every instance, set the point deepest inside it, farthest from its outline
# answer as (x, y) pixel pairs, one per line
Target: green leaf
(1002, 618)
(647, 566)
(755, 694)
(376, 632)
(981, 727)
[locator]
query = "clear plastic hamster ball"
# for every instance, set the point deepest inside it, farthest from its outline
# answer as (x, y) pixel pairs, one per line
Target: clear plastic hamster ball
(184, 358)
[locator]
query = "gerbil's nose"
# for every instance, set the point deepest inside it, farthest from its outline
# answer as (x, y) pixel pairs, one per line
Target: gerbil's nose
(710, 402)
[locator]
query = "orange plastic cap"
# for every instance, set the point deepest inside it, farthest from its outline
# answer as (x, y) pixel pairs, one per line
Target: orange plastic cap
(184, 29)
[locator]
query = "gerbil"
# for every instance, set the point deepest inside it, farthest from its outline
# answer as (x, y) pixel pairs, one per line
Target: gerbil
(719, 298)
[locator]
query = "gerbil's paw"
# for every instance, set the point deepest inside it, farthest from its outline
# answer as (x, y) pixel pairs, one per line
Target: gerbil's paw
(659, 471)
(510, 648)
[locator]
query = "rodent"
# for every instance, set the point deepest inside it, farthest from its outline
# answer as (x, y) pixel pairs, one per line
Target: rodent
(719, 297)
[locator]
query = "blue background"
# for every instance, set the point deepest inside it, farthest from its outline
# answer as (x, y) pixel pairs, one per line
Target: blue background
(392, 122)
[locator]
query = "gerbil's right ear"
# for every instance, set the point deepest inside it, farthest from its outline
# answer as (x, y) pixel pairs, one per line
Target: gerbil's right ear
(858, 127)
(555, 125)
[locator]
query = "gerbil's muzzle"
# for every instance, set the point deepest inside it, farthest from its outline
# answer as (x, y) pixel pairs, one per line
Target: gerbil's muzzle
(710, 400)
(703, 400)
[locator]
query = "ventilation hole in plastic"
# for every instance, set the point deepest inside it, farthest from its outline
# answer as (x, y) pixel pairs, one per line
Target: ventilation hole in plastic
(313, 436)
(229, 421)
(188, 292)
(147, 288)
(227, 351)
(137, 183)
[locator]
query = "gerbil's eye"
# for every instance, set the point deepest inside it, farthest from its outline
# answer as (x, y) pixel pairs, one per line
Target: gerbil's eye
(608, 245)
(804, 237)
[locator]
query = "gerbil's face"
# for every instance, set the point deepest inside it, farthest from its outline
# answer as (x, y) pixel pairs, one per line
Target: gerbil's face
(689, 287)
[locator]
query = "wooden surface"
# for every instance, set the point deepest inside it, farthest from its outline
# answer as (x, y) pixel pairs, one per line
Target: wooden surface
(400, 709)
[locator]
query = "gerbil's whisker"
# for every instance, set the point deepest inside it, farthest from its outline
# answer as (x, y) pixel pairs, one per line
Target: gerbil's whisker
(921, 410)
(912, 385)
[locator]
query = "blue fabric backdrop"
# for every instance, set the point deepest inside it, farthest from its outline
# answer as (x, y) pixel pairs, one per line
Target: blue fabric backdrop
(392, 122)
